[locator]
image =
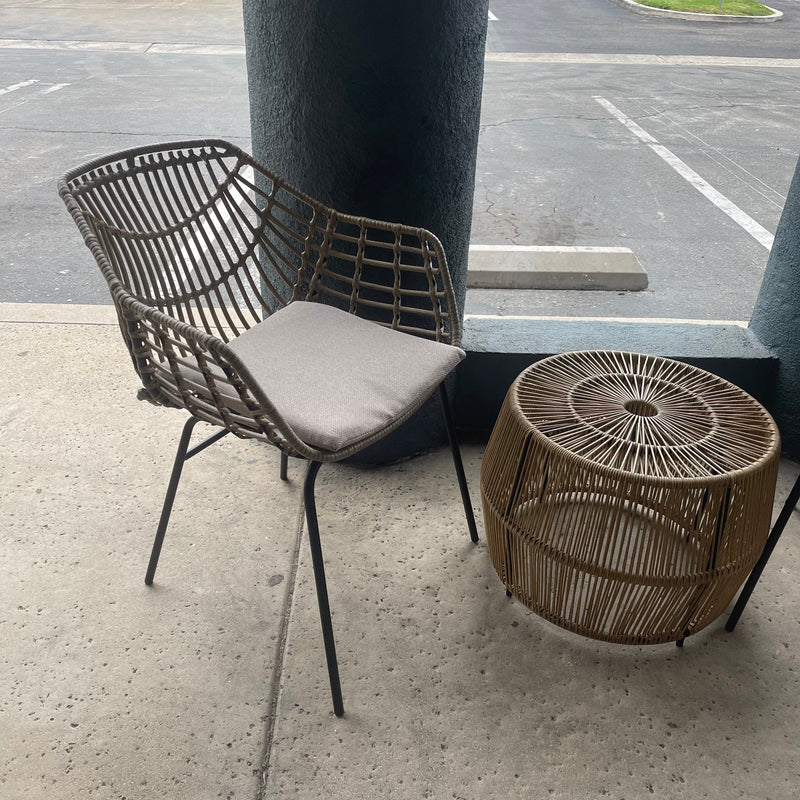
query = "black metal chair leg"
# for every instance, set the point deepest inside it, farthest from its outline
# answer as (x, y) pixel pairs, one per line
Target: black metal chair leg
(454, 449)
(177, 468)
(284, 466)
(772, 540)
(322, 588)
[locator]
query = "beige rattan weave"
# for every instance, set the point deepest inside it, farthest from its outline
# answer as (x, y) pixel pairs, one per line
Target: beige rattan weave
(626, 497)
(239, 295)
(199, 242)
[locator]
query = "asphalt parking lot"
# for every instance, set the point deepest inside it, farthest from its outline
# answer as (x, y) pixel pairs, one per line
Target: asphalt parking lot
(555, 165)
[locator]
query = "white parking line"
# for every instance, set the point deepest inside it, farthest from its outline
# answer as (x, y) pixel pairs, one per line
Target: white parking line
(25, 97)
(739, 323)
(545, 248)
(55, 88)
(627, 59)
(745, 221)
(769, 193)
(15, 86)
(642, 59)
(209, 227)
(492, 17)
(53, 44)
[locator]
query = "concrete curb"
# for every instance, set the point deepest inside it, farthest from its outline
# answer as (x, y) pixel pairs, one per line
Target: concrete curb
(648, 11)
(552, 267)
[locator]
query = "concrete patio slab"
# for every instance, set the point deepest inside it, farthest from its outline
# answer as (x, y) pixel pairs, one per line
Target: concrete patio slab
(213, 683)
(452, 690)
(109, 688)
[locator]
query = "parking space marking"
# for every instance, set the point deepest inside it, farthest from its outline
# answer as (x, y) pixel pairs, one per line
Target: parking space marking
(767, 192)
(739, 323)
(52, 44)
(745, 221)
(56, 87)
(642, 59)
(191, 254)
(15, 86)
(25, 97)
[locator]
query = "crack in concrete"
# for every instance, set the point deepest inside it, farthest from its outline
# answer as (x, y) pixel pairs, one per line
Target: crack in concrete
(491, 213)
(280, 656)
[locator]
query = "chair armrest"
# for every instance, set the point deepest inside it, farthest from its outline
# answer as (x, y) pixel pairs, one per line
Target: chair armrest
(185, 367)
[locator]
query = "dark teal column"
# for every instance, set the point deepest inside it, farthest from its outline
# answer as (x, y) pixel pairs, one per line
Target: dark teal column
(374, 109)
(776, 318)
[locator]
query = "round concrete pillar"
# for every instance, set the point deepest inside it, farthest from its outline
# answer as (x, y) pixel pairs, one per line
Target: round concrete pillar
(374, 109)
(776, 318)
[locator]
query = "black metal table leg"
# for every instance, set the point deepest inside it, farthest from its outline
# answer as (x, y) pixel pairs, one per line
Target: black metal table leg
(772, 540)
(284, 466)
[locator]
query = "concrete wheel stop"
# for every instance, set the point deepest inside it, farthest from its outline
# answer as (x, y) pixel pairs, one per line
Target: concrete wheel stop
(554, 267)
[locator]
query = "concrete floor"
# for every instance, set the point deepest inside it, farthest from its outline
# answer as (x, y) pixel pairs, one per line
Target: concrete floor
(212, 682)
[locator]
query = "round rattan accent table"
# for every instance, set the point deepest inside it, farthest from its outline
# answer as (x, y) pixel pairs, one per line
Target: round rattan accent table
(626, 497)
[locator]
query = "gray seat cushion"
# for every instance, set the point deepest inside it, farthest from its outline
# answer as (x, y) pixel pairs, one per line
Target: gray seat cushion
(336, 378)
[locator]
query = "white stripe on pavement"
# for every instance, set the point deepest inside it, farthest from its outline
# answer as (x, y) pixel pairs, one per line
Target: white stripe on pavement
(745, 221)
(545, 248)
(53, 44)
(628, 59)
(54, 88)
(641, 59)
(655, 320)
(15, 86)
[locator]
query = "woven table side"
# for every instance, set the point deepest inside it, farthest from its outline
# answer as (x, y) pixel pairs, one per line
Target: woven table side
(613, 554)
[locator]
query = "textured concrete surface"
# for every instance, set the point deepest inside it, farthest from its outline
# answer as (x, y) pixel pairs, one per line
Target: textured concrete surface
(108, 688)
(454, 691)
(212, 683)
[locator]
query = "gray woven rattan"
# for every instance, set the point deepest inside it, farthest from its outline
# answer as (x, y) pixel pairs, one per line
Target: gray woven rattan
(198, 243)
(627, 497)
(261, 311)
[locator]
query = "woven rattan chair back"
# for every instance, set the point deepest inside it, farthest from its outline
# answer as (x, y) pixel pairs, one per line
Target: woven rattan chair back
(199, 244)
(201, 233)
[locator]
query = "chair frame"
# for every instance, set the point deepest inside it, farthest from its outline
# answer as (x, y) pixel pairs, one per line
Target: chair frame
(194, 251)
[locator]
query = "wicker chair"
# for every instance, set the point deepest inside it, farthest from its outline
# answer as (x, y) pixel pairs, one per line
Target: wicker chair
(259, 310)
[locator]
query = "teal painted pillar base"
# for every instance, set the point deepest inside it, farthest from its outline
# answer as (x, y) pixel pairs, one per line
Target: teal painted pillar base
(776, 318)
(374, 109)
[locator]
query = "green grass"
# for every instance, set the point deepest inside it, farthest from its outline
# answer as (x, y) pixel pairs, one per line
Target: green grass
(747, 8)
